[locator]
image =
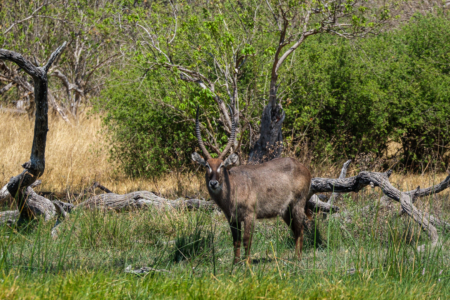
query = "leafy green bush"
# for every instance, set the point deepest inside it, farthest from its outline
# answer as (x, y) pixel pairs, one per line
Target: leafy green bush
(353, 97)
(145, 136)
(149, 121)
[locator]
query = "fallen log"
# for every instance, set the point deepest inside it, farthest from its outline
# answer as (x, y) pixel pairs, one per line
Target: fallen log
(5, 195)
(315, 204)
(13, 111)
(9, 217)
(91, 190)
(41, 206)
(375, 179)
(142, 199)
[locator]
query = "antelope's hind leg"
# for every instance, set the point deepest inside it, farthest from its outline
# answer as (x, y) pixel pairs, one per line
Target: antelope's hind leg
(295, 218)
(235, 227)
(249, 226)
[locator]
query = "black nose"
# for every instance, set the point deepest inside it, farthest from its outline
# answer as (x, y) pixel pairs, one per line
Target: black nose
(213, 184)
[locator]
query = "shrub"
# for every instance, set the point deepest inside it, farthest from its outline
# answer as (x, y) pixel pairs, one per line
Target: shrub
(353, 97)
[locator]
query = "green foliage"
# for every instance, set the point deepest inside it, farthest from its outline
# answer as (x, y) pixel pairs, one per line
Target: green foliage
(353, 97)
(148, 137)
(343, 97)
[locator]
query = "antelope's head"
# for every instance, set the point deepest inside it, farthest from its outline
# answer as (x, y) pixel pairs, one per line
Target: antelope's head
(215, 167)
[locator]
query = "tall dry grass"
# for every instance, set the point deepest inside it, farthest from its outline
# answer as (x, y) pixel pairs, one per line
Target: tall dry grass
(77, 155)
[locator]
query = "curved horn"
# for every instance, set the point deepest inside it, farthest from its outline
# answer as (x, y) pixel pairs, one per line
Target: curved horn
(232, 135)
(199, 136)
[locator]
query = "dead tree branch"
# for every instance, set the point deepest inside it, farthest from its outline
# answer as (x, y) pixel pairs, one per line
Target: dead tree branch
(363, 179)
(33, 169)
(4, 193)
(343, 174)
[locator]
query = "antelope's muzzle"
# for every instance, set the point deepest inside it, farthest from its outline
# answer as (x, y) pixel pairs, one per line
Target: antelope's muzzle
(213, 184)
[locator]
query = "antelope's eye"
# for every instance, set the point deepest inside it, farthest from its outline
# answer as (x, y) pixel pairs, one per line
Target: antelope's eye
(210, 170)
(219, 168)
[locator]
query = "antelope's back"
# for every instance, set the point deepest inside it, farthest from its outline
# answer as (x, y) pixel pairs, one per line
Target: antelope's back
(271, 186)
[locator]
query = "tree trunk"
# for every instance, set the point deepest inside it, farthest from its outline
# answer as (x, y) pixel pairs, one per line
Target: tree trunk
(270, 142)
(18, 185)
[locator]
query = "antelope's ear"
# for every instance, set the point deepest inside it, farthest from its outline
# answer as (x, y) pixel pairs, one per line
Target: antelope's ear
(231, 160)
(198, 159)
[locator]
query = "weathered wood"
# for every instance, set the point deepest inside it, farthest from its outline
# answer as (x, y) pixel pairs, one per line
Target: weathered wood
(36, 205)
(89, 190)
(359, 182)
(143, 270)
(270, 142)
(4, 193)
(40, 206)
(315, 204)
(342, 175)
(6, 88)
(36, 166)
(9, 217)
(142, 199)
(13, 111)
(417, 193)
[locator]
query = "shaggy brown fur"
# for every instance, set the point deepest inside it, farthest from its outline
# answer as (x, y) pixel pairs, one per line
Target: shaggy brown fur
(246, 193)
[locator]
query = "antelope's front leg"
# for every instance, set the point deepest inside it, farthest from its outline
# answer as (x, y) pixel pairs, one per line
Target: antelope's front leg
(235, 227)
(248, 234)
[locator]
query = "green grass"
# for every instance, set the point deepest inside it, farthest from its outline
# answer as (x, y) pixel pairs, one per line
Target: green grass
(371, 256)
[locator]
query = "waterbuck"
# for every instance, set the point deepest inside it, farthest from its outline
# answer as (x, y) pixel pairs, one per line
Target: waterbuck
(244, 193)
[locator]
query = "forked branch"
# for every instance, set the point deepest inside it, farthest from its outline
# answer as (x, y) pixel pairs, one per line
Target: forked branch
(36, 166)
(363, 179)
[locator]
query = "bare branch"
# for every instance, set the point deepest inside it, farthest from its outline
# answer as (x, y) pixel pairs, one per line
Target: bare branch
(23, 63)
(69, 86)
(26, 19)
(315, 204)
(54, 56)
(341, 176)
(108, 60)
(295, 46)
(431, 190)
(153, 42)
(359, 182)
(176, 22)
(6, 88)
